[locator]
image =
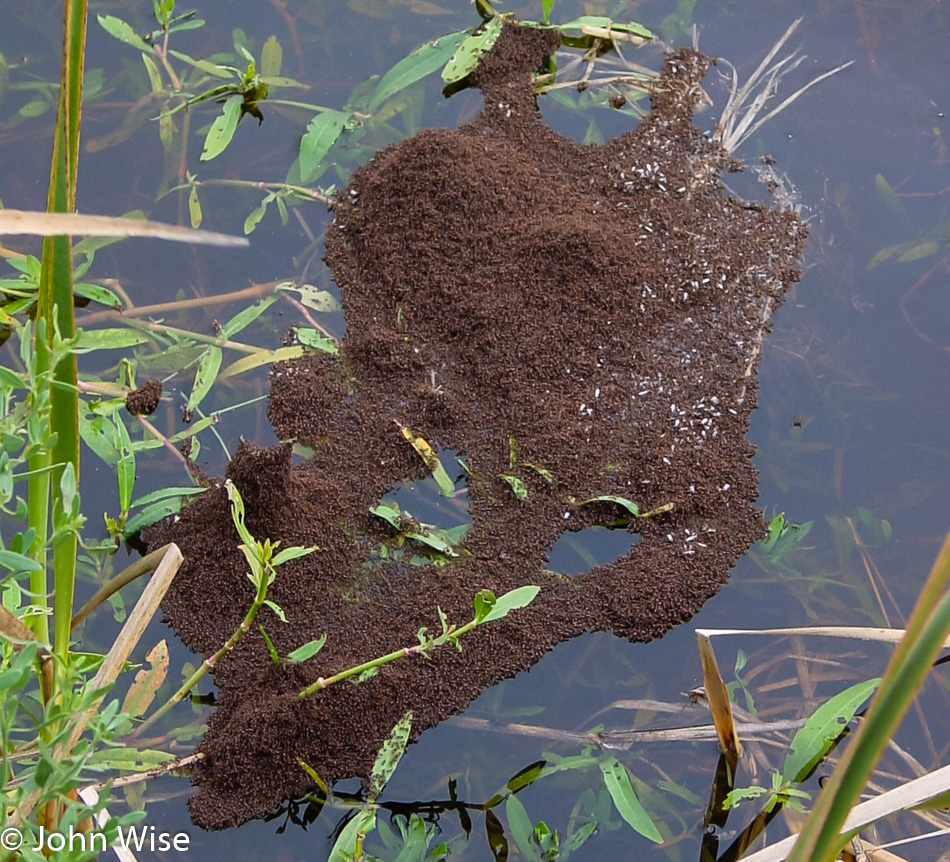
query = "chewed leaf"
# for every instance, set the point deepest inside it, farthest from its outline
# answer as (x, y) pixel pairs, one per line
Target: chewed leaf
(111, 339)
(321, 134)
(470, 51)
(147, 682)
(222, 129)
(390, 755)
(415, 66)
(309, 337)
(599, 25)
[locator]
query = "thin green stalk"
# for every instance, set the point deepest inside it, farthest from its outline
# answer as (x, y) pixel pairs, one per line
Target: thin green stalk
(418, 649)
(912, 660)
(208, 664)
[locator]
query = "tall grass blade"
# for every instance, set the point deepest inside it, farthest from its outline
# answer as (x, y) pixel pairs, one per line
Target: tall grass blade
(928, 626)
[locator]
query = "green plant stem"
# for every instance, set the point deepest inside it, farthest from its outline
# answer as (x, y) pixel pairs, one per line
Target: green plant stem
(300, 191)
(418, 649)
(912, 660)
(164, 329)
(209, 663)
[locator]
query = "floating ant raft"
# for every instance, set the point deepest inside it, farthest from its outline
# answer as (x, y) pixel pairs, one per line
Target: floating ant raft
(585, 319)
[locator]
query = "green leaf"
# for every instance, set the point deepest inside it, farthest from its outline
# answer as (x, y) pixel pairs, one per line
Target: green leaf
(511, 601)
(321, 134)
(262, 357)
(246, 317)
(125, 469)
(599, 22)
(254, 217)
(18, 562)
(812, 742)
(415, 66)
(294, 553)
(344, 850)
(484, 602)
(546, 7)
(123, 32)
(470, 51)
(310, 337)
(919, 251)
(272, 57)
(389, 756)
(194, 207)
(522, 829)
(222, 129)
(617, 781)
(34, 108)
(632, 508)
(97, 293)
(307, 651)
(111, 339)
(518, 487)
(204, 376)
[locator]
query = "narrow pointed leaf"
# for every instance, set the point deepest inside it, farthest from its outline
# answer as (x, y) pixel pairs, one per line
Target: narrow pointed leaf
(222, 129)
(625, 800)
(205, 376)
(416, 65)
(321, 134)
(466, 58)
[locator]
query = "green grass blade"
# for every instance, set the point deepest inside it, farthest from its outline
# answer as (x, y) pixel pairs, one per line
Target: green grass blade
(911, 662)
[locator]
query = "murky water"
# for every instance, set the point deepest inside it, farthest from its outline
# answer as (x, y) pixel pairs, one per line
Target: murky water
(851, 425)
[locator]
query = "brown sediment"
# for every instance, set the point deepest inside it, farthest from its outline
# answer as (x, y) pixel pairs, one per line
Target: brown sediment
(595, 310)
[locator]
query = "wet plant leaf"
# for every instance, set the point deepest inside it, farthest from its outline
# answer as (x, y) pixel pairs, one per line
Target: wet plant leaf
(204, 377)
(511, 601)
(496, 837)
(194, 208)
(222, 129)
(518, 488)
(522, 829)
(919, 251)
(111, 339)
(125, 469)
(617, 781)
(322, 133)
(632, 508)
(344, 850)
(587, 23)
(147, 682)
(307, 651)
(466, 57)
(97, 293)
(312, 297)
(245, 318)
(813, 741)
(272, 58)
(255, 215)
(389, 756)
(310, 337)
(431, 460)
(123, 32)
(415, 66)
(262, 357)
